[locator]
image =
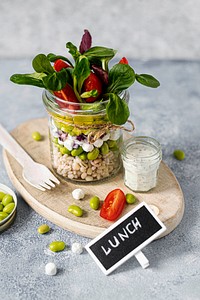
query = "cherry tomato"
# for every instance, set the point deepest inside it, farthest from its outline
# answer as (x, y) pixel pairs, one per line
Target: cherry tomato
(124, 60)
(113, 205)
(92, 83)
(67, 94)
(60, 64)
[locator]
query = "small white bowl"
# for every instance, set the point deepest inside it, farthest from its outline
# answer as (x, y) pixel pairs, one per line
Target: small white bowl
(5, 189)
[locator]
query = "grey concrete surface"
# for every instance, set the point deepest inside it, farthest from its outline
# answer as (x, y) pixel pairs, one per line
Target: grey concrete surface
(170, 114)
(137, 29)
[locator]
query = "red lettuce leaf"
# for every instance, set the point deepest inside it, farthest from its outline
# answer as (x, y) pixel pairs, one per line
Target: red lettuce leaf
(86, 42)
(102, 74)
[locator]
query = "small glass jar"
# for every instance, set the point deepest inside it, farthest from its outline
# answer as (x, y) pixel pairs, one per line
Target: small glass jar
(141, 159)
(84, 144)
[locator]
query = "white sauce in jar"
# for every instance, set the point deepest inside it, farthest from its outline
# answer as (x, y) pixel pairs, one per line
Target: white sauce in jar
(141, 159)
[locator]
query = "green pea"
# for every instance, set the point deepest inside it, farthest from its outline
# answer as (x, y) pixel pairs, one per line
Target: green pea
(95, 202)
(64, 150)
(93, 154)
(44, 228)
(104, 148)
(57, 246)
(3, 215)
(75, 210)
(7, 199)
(36, 136)
(2, 194)
(179, 154)
(1, 206)
(83, 156)
(9, 208)
(77, 152)
(130, 199)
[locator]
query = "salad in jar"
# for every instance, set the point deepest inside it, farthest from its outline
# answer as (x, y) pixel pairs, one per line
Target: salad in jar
(87, 103)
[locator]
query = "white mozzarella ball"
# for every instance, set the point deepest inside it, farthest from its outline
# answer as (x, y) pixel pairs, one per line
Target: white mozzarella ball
(106, 137)
(115, 135)
(50, 269)
(98, 143)
(69, 144)
(60, 142)
(87, 147)
(78, 194)
(77, 248)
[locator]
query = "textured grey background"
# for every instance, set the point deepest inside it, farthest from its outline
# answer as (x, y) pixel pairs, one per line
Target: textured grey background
(143, 31)
(136, 28)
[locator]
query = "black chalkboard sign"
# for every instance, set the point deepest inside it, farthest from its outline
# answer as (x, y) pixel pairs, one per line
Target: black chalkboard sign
(125, 238)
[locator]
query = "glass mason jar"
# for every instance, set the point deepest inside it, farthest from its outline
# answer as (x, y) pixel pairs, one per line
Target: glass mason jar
(141, 159)
(84, 144)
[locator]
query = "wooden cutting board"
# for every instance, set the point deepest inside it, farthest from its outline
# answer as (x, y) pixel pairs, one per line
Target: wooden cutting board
(52, 204)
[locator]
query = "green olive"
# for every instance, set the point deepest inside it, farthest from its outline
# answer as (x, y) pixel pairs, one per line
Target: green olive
(36, 136)
(7, 199)
(179, 154)
(83, 156)
(130, 199)
(64, 150)
(3, 215)
(95, 202)
(57, 246)
(104, 148)
(44, 228)
(9, 208)
(77, 152)
(2, 194)
(93, 154)
(75, 210)
(1, 206)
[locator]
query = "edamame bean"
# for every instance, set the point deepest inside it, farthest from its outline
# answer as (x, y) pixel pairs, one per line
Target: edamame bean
(36, 136)
(93, 154)
(75, 210)
(57, 246)
(104, 148)
(112, 144)
(130, 198)
(44, 228)
(1, 206)
(7, 199)
(83, 156)
(9, 208)
(2, 194)
(64, 150)
(95, 202)
(179, 154)
(77, 152)
(3, 215)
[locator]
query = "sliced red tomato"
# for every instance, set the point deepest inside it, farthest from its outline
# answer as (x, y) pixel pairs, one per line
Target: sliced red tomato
(124, 60)
(67, 94)
(60, 64)
(92, 82)
(113, 205)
